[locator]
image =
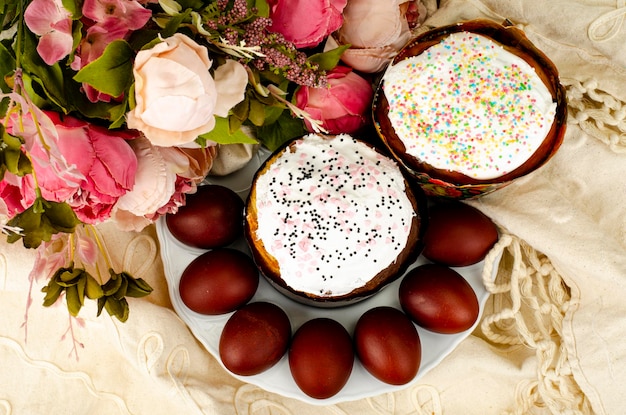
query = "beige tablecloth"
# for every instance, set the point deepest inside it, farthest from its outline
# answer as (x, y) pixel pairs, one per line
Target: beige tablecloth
(551, 339)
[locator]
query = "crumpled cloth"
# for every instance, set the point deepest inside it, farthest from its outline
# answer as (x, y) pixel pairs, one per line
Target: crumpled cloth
(231, 158)
(551, 338)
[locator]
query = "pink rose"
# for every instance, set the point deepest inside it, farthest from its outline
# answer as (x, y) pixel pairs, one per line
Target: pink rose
(306, 23)
(343, 106)
(103, 169)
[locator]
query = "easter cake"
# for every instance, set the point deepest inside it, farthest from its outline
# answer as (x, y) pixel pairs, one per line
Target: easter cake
(470, 104)
(330, 220)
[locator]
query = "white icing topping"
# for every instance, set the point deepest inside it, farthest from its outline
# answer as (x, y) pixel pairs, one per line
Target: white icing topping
(468, 105)
(334, 213)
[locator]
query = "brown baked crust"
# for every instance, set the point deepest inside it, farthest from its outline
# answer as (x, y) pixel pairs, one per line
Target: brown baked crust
(514, 41)
(270, 268)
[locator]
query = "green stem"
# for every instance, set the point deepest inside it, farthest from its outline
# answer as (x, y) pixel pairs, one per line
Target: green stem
(20, 35)
(101, 246)
(72, 245)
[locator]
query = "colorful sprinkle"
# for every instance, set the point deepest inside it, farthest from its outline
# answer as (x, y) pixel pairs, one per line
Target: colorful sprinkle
(468, 105)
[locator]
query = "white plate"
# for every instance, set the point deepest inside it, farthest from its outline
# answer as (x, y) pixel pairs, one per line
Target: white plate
(207, 329)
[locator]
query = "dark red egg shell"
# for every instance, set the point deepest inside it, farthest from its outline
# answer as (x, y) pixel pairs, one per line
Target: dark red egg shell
(218, 281)
(438, 299)
(321, 357)
(458, 234)
(388, 345)
(211, 218)
(254, 338)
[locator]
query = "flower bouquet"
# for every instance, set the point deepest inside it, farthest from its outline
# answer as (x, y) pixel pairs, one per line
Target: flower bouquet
(113, 110)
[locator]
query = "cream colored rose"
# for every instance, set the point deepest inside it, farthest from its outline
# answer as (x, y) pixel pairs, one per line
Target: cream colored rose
(176, 97)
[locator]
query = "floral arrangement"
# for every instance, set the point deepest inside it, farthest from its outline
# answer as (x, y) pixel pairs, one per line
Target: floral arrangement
(112, 110)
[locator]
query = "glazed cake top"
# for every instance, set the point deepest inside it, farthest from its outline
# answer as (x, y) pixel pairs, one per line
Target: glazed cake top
(468, 105)
(333, 212)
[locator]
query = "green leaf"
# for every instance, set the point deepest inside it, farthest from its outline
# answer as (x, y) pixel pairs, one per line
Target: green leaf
(192, 4)
(17, 162)
(72, 299)
(102, 110)
(111, 73)
(114, 293)
(7, 66)
(234, 123)
(221, 134)
(242, 109)
(4, 105)
(329, 59)
(47, 77)
(175, 22)
(273, 113)
(93, 290)
(112, 285)
(266, 100)
(285, 128)
(37, 93)
(101, 302)
(117, 308)
(118, 114)
(257, 113)
(12, 158)
(77, 36)
(144, 39)
(272, 77)
(42, 220)
(73, 7)
(131, 97)
(68, 277)
(121, 292)
(53, 291)
(137, 287)
(80, 287)
(61, 217)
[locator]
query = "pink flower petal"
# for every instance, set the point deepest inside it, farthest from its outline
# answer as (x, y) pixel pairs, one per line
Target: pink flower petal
(54, 46)
(41, 15)
(132, 14)
(118, 162)
(86, 249)
(50, 20)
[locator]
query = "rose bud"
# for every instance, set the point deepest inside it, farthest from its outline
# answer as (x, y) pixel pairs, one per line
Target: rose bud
(343, 106)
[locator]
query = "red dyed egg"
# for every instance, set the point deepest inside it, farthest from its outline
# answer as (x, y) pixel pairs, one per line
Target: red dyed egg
(211, 218)
(218, 281)
(458, 234)
(321, 357)
(438, 299)
(254, 338)
(388, 345)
